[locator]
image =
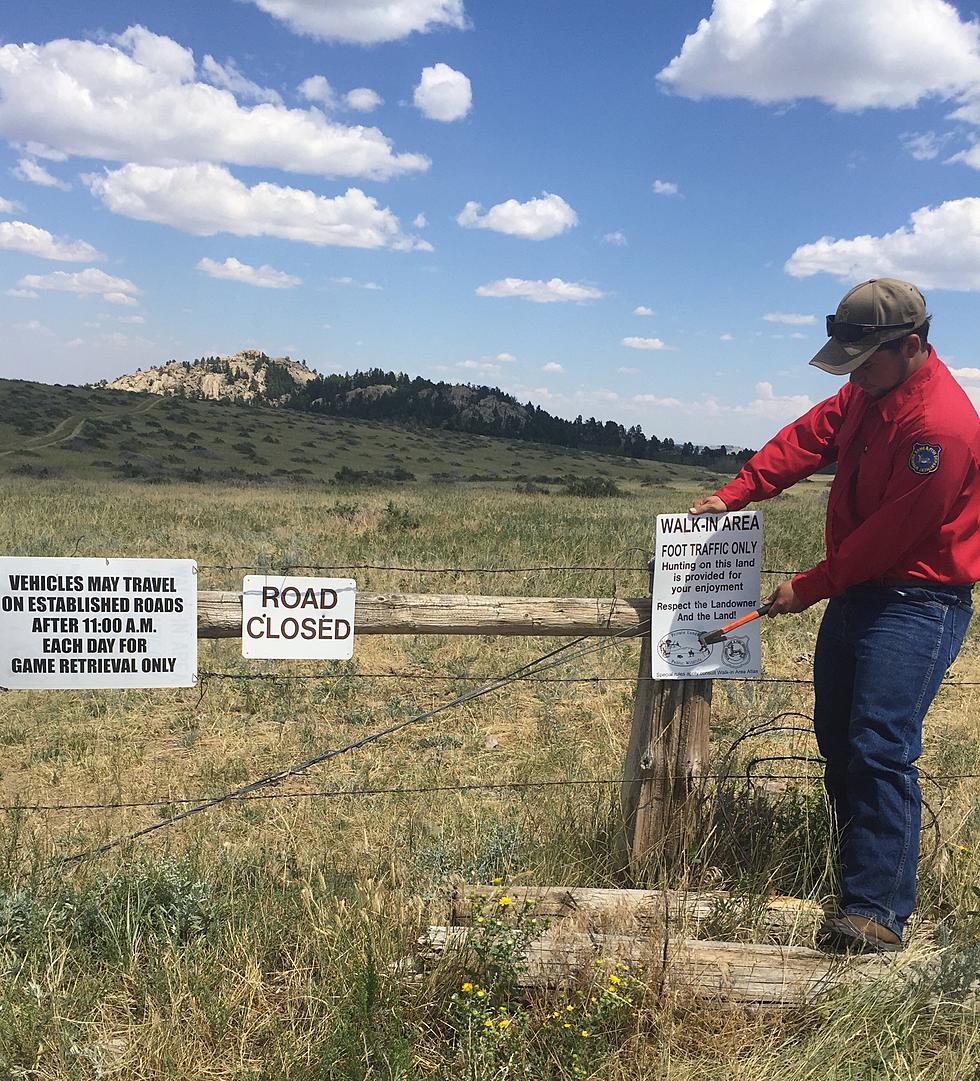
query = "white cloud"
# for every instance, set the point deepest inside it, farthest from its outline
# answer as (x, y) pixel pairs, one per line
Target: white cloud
(20, 236)
(664, 187)
(617, 239)
(727, 338)
(372, 286)
(924, 146)
(970, 374)
(642, 309)
(419, 221)
(8, 206)
(851, 54)
(75, 343)
(655, 399)
(443, 93)
(205, 199)
(131, 320)
(790, 318)
(552, 366)
(537, 219)
(33, 326)
(316, 88)
(480, 367)
(644, 343)
(938, 249)
(506, 358)
(23, 294)
(88, 282)
(363, 99)
(365, 21)
(541, 292)
(30, 171)
(628, 371)
(228, 77)
(135, 100)
(263, 277)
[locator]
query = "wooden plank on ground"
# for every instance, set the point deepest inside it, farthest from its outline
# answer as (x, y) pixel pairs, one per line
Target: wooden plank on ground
(219, 614)
(648, 911)
(749, 974)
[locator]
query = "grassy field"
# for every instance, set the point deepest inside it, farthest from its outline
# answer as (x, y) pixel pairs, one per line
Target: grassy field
(263, 939)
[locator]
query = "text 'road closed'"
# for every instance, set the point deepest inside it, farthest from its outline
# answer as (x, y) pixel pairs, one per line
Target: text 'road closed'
(302, 618)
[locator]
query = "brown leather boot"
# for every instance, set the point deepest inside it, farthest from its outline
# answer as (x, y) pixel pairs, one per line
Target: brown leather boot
(856, 934)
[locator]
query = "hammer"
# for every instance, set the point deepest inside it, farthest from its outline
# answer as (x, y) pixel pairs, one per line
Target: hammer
(709, 638)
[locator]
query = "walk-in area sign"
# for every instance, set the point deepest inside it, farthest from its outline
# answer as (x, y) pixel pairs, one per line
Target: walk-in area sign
(707, 572)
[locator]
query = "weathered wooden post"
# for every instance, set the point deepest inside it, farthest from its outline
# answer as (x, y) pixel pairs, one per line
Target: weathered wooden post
(666, 767)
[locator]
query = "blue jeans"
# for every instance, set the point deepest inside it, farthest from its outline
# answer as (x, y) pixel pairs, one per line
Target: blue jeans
(881, 654)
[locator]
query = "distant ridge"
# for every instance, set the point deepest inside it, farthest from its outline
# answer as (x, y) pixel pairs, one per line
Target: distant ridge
(248, 376)
(252, 377)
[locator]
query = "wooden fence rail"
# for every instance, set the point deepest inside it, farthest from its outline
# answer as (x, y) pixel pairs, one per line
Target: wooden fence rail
(667, 757)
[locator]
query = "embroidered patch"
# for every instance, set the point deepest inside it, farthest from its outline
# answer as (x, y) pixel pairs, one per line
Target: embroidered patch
(924, 457)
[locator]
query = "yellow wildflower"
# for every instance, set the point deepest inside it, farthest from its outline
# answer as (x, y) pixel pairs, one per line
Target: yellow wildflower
(613, 979)
(504, 1022)
(570, 1009)
(488, 1023)
(566, 1025)
(505, 900)
(467, 987)
(556, 1014)
(479, 919)
(585, 1032)
(481, 993)
(497, 881)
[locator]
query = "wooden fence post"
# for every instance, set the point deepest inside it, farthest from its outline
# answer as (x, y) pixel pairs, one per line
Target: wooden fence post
(666, 766)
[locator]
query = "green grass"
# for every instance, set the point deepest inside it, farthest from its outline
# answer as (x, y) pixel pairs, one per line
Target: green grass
(267, 939)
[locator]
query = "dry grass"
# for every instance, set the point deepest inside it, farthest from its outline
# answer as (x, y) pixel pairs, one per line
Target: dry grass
(254, 941)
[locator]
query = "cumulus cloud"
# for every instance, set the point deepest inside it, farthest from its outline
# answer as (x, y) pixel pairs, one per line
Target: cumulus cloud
(617, 239)
(263, 277)
(851, 54)
(29, 170)
(88, 282)
(537, 219)
(371, 286)
(365, 22)
(443, 93)
(642, 309)
(7, 206)
(205, 199)
(363, 99)
(644, 343)
(655, 399)
(317, 88)
(552, 367)
(790, 318)
(628, 371)
(228, 77)
(541, 292)
(33, 326)
(938, 249)
(20, 236)
(136, 99)
(506, 358)
(664, 187)
(727, 338)
(23, 294)
(420, 221)
(966, 374)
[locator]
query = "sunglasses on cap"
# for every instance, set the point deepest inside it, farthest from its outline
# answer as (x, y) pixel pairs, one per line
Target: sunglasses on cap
(854, 332)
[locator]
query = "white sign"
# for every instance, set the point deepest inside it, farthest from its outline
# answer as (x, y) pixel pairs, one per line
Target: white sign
(68, 623)
(706, 574)
(298, 617)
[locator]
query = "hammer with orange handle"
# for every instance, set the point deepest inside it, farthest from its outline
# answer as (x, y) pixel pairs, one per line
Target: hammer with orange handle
(709, 638)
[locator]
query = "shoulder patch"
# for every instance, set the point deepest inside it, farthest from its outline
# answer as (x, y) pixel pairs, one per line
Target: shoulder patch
(925, 457)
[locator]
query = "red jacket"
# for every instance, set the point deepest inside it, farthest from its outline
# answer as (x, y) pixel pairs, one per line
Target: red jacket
(905, 502)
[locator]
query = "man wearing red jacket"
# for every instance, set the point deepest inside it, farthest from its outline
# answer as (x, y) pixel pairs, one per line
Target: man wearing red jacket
(903, 552)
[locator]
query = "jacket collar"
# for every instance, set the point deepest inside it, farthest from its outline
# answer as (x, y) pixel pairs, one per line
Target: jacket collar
(895, 402)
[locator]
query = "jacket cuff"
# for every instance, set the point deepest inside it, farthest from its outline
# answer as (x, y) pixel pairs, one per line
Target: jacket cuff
(812, 586)
(733, 495)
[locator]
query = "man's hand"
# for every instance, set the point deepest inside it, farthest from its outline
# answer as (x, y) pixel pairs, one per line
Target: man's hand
(783, 601)
(708, 504)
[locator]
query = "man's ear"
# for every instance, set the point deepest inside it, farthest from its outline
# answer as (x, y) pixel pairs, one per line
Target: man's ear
(912, 346)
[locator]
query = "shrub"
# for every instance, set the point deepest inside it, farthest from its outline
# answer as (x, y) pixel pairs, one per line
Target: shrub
(591, 487)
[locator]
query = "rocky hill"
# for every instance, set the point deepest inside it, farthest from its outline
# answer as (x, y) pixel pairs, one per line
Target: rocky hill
(249, 376)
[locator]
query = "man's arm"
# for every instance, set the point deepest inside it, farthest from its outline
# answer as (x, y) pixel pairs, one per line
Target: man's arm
(914, 504)
(801, 448)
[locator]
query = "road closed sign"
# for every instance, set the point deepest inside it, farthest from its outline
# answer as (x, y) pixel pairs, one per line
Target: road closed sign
(706, 574)
(301, 618)
(74, 622)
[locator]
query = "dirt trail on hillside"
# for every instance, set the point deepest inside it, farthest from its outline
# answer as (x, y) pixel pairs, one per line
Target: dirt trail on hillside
(49, 441)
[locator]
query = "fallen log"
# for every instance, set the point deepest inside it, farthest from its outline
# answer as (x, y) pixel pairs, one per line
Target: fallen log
(750, 974)
(651, 911)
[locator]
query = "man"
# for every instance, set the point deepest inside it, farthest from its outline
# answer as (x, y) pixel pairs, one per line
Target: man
(903, 552)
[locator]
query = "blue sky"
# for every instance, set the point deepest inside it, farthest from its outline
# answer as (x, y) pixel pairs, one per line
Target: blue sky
(639, 211)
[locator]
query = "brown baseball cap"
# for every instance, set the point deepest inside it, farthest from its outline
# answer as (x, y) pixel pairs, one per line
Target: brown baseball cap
(872, 313)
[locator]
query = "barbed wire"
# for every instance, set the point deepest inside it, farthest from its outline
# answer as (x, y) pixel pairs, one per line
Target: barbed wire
(277, 568)
(436, 677)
